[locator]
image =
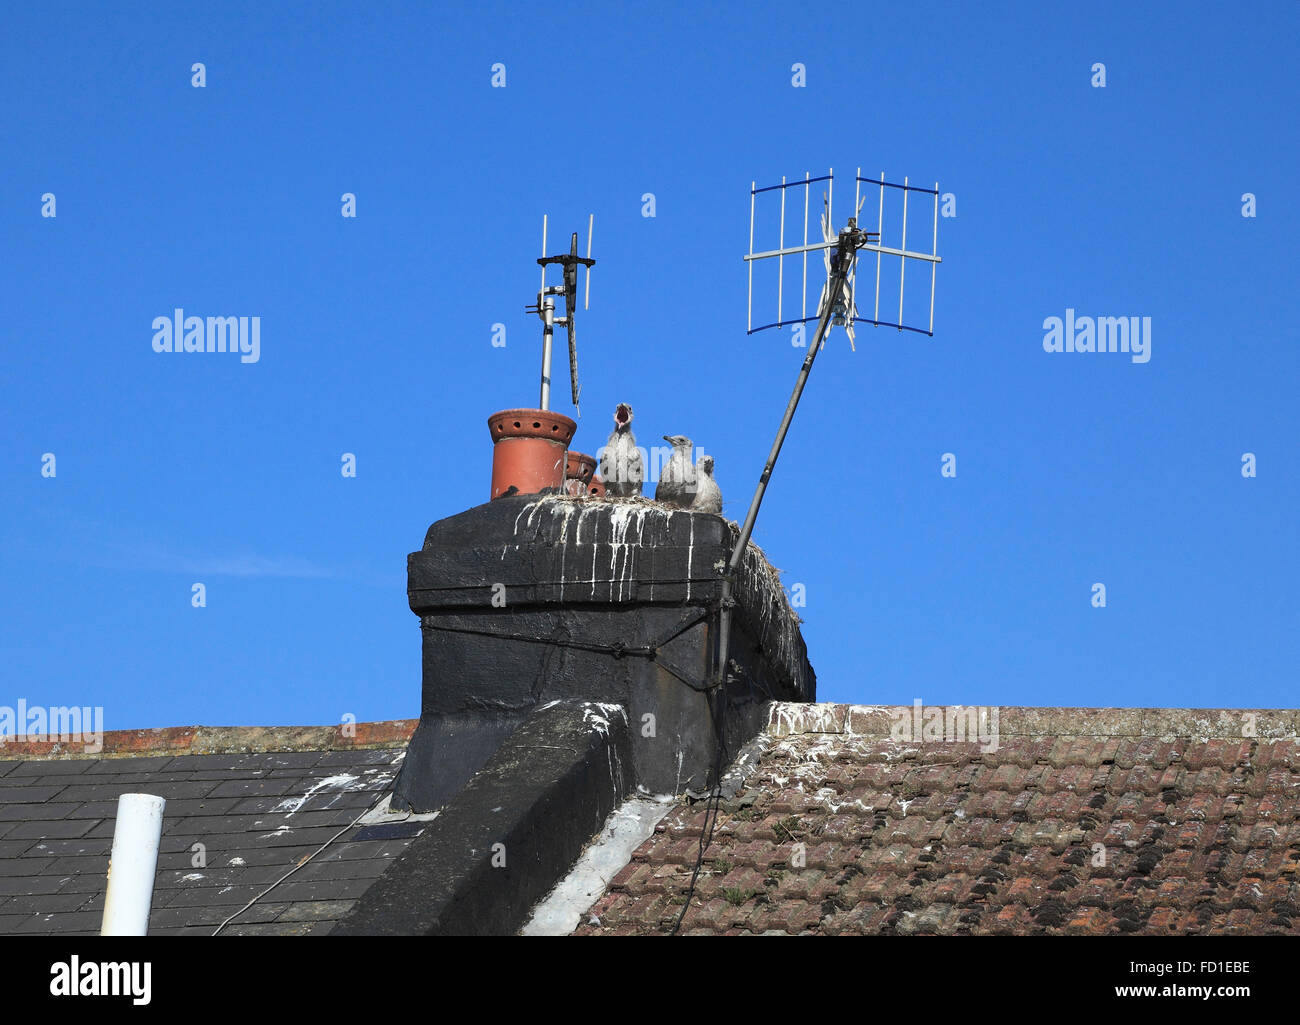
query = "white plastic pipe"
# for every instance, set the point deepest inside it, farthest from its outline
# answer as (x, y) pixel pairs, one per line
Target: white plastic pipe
(133, 864)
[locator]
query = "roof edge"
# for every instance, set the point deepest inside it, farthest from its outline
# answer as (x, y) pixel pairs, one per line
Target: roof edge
(539, 800)
(787, 718)
(203, 740)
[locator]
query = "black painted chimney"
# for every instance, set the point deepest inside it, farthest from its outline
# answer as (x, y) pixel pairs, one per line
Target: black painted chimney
(534, 599)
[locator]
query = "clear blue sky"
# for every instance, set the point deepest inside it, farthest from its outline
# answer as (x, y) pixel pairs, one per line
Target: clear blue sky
(1072, 468)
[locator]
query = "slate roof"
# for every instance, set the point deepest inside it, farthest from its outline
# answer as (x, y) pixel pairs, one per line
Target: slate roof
(1199, 826)
(261, 801)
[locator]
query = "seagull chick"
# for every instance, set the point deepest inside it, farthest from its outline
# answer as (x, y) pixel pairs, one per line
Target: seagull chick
(621, 466)
(708, 496)
(677, 479)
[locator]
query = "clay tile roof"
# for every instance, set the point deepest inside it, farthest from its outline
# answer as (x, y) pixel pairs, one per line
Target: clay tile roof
(260, 801)
(1080, 821)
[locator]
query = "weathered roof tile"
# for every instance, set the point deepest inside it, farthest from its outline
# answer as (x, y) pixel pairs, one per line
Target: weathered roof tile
(1081, 833)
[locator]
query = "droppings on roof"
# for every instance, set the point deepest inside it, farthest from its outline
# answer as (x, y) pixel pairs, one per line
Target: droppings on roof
(1187, 828)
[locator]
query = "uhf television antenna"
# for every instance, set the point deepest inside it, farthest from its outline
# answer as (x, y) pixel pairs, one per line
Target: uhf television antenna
(545, 308)
(837, 306)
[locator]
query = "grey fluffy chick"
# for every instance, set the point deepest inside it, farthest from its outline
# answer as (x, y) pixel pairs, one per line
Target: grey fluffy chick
(708, 496)
(677, 480)
(621, 466)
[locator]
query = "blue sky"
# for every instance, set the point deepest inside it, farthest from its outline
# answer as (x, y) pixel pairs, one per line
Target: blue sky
(1072, 468)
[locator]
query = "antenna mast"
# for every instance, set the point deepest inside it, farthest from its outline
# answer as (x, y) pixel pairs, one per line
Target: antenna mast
(545, 308)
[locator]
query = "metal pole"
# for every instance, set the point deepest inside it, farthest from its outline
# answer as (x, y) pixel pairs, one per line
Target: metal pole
(591, 225)
(749, 305)
(857, 194)
(902, 264)
(780, 260)
(543, 287)
(880, 226)
(803, 313)
(548, 333)
(848, 243)
(934, 249)
(132, 865)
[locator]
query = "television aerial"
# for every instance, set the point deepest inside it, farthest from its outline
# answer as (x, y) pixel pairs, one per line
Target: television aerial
(836, 307)
(545, 308)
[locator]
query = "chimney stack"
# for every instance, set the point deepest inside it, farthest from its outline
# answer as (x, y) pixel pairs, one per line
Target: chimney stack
(533, 599)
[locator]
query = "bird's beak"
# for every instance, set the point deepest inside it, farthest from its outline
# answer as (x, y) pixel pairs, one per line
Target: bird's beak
(668, 438)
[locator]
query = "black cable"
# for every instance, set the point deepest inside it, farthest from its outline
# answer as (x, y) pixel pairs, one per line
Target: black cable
(649, 651)
(714, 807)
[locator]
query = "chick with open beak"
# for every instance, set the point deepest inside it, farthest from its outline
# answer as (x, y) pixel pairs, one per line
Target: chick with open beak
(622, 466)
